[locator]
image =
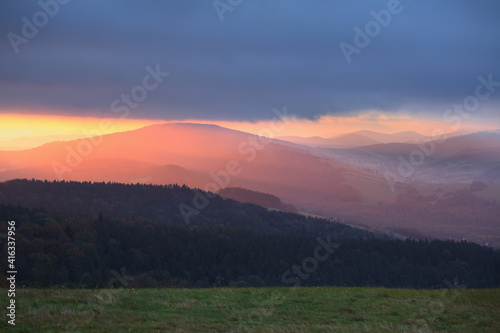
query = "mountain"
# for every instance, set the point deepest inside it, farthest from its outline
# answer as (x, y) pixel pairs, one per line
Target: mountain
(254, 197)
(443, 148)
(401, 137)
(356, 184)
(315, 141)
(106, 235)
(456, 159)
(343, 141)
(356, 139)
(211, 158)
(161, 204)
(352, 140)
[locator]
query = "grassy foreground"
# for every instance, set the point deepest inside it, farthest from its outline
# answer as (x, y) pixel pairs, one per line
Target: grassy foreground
(254, 310)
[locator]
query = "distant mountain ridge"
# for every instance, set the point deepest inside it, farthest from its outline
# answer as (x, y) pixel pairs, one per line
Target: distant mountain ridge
(356, 139)
(366, 184)
(257, 198)
(404, 136)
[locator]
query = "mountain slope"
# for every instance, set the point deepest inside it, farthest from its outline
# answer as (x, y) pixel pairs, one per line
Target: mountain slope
(342, 141)
(344, 183)
(357, 139)
(454, 160)
(254, 197)
(220, 157)
(162, 205)
(400, 137)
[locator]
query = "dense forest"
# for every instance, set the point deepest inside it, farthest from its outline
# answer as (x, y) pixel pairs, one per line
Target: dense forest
(258, 198)
(70, 242)
(165, 204)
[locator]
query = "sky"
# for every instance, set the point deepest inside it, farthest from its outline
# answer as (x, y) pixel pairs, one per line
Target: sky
(402, 64)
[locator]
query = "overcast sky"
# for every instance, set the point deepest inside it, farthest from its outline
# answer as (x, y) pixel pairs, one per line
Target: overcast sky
(263, 54)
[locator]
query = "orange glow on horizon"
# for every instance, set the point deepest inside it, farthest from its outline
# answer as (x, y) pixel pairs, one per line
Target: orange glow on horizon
(329, 126)
(21, 131)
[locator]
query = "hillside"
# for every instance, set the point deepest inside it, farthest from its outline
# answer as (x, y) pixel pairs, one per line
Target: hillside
(356, 139)
(203, 156)
(166, 205)
(85, 234)
(401, 137)
(364, 184)
(254, 197)
(260, 164)
(341, 141)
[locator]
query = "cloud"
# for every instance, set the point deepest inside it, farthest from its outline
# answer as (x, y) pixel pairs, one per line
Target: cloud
(263, 55)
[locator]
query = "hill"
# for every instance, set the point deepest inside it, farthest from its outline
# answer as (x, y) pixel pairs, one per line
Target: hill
(210, 158)
(86, 234)
(367, 184)
(165, 204)
(257, 198)
(341, 141)
(356, 139)
(401, 137)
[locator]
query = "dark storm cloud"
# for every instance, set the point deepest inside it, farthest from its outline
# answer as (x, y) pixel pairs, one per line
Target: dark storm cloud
(264, 54)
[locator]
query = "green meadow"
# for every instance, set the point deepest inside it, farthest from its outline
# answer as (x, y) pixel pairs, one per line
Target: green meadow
(323, 309)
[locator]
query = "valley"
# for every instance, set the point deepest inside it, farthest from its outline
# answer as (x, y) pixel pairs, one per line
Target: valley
(450, 194)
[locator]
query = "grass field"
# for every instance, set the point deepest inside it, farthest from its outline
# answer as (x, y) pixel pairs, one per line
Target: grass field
(254, 310)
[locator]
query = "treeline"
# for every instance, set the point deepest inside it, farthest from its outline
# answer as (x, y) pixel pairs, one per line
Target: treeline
(160, 204)
(258, 198)
(61, 249)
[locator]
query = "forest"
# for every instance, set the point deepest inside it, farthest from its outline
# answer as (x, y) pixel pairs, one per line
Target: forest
(114, 235)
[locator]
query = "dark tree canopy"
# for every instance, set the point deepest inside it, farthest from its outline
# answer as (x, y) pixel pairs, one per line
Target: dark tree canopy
(101, 235)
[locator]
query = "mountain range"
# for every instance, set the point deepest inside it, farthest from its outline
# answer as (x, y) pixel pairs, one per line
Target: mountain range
(356, 139)
(431, 189)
